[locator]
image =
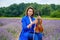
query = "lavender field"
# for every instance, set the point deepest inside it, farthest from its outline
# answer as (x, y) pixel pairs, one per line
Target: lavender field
(10, 29)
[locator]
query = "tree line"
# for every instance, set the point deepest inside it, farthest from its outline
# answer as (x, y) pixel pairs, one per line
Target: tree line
(18, 10)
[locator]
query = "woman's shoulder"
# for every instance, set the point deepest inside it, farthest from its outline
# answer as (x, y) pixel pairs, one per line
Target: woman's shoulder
(24, 17)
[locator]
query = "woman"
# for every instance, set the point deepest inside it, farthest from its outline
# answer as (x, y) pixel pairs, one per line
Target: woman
(28, 24)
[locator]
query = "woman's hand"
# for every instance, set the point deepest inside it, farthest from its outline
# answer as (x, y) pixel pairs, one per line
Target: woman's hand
(29, 26)
(39, 17)
(34, 22)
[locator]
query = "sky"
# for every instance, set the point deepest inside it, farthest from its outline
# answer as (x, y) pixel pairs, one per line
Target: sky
(5, 3)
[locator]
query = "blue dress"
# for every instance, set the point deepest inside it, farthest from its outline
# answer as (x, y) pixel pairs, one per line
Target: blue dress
(27, 33)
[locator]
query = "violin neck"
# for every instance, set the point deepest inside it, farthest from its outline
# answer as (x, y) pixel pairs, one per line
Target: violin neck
(38, 14)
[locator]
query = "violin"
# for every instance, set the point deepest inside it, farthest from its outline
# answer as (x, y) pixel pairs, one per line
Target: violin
(39, 27)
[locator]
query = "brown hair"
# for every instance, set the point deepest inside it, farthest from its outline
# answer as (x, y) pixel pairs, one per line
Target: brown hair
(26, 13)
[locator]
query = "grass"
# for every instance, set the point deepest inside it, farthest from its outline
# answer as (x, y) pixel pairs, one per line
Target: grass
(50, 18)
(46, 18)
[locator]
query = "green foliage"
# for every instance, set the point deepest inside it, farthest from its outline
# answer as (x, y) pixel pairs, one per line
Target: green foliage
(18, 10)
(55, 14)
(46, 10)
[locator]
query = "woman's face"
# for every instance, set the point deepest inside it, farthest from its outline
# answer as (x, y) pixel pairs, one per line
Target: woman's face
(30, 12)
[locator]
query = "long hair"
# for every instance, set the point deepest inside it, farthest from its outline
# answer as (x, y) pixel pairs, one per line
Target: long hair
(26, 13)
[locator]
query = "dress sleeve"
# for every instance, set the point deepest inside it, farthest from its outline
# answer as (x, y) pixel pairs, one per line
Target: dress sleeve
(24, 25)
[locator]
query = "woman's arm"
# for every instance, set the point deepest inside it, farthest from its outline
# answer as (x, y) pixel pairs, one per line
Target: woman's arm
(30, 25)
(34, 22)
(24, 25)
